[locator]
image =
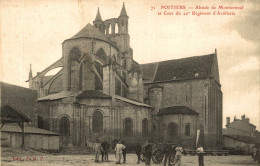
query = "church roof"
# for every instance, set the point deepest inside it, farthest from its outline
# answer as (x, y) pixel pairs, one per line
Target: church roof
(89, 31)
(92, 94)
(179, 69)
(177, 110)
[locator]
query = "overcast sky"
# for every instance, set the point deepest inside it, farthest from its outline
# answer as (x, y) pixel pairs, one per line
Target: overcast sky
(32, 32)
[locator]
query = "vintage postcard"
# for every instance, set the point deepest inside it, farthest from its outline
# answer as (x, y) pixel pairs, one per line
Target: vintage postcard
(134, 82)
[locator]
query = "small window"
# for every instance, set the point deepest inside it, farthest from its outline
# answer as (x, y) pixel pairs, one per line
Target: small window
(187, 130)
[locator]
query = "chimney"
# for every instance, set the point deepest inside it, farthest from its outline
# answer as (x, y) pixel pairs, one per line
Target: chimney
(243, 117)
(227, 120)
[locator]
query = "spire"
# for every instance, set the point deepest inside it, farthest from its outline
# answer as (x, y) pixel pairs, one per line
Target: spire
(30, 73)
(30, 78)
(98, 17)
(123, 11)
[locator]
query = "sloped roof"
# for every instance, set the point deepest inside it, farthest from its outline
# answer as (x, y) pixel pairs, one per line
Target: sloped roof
(177, 110)
(92, 94)
(56, 96)
(89, 31)
(131, 101)
(24, 99)
(11, 114)
(242, 138)
(179, 69)
(32, 130)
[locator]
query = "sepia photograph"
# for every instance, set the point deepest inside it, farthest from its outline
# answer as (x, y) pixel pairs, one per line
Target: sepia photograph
(130, 82)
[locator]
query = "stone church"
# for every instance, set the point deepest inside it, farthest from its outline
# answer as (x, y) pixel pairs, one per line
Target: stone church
(101, 92)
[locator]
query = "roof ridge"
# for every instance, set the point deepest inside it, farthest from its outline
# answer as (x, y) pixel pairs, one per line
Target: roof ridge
(179, 59)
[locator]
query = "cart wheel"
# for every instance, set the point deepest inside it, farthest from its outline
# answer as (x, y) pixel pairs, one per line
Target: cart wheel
(157, 156)
(172, 157)
(142, 157)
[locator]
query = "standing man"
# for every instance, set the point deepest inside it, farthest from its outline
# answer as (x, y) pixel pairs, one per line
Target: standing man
(98, 148)
(138, 151)
(124, 151)
(119, 147)
(148, 153)
(167, 151)
(200, 152)
(179, 151)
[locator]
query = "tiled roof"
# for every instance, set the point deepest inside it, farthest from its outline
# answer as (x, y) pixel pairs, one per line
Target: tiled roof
(92, 94)
(177, 110)
(32, 130)
(11, 114)
(89, 31)
(179, 69)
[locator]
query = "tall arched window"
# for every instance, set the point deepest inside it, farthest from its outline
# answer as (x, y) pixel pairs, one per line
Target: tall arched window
(64, 126)
(145, 128)
(172, 130)
(187, 129)
(74, 56)
(110, 29)
(81, 77)
(128, 127)
(97, 122)
(116, 28)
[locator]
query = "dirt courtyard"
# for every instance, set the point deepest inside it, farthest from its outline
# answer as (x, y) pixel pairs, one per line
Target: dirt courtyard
(88, 160)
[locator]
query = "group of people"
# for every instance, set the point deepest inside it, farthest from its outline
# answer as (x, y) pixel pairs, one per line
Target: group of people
(172, 153)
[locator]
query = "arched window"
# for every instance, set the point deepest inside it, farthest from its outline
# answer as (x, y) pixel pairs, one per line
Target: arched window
(101, 54)
(145, 127)
(172, 130)
(128, 127)
(116, 28)
(110, 29)
(64, 126)
(187, 129)
(40, 122)
(97, 122)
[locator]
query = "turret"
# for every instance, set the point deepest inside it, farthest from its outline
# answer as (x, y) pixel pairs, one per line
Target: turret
(123, 21)
(98, 23)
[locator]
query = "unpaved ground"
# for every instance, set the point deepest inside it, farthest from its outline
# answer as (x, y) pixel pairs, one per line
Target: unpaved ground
(41, 159)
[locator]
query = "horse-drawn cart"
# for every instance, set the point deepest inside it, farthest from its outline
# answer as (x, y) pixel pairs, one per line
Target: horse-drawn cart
(158, 153)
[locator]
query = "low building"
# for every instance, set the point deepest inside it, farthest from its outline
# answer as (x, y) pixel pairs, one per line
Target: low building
(239, 136)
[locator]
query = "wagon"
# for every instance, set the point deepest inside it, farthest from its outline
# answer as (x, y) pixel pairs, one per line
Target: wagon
(158, 153)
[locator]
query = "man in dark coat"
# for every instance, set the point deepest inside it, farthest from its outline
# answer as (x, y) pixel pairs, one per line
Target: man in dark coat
(138, 151)
(148, 153)
(124, 151)
(167, 153)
